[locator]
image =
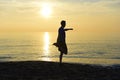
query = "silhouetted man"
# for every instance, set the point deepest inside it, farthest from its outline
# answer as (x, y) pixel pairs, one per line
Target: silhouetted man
(61, 40)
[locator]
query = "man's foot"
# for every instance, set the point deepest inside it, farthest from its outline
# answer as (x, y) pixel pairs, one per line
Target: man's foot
(55, 44)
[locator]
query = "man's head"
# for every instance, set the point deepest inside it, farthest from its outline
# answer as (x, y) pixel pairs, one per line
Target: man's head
(63, 23)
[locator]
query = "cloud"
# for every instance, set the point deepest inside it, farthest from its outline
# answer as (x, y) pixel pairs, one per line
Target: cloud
(16, 6)
(66, 7)
(78, 7)
(79, 1)
(114, 4)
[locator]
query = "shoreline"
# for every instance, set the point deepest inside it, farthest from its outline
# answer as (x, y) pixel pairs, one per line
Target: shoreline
(43, 70)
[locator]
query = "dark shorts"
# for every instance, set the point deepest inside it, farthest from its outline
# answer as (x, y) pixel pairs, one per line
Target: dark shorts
(63, 48)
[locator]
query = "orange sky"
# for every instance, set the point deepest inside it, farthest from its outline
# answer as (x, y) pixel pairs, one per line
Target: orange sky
(82, 15)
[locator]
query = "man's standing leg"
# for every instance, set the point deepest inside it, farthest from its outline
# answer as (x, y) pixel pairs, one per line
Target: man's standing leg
(61, 55)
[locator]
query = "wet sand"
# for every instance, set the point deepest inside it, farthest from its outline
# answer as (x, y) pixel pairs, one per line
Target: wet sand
(41, 70)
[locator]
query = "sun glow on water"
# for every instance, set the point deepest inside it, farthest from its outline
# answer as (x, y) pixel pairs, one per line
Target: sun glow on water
(46, 42)
(46, 50)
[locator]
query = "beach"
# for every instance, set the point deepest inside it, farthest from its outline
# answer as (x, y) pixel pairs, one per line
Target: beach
(42, 70)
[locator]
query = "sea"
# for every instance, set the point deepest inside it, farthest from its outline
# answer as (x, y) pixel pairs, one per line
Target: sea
(83, 47)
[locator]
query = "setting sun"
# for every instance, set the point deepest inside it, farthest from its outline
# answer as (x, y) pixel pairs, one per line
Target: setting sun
(46, 10)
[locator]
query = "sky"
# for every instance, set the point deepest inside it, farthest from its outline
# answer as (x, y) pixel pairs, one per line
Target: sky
(45, 15)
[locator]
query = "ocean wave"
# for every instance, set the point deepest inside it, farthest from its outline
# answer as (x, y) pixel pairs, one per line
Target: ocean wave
(5, 57)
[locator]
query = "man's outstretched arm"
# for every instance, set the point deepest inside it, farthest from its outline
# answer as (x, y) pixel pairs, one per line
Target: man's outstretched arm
(68, 29)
